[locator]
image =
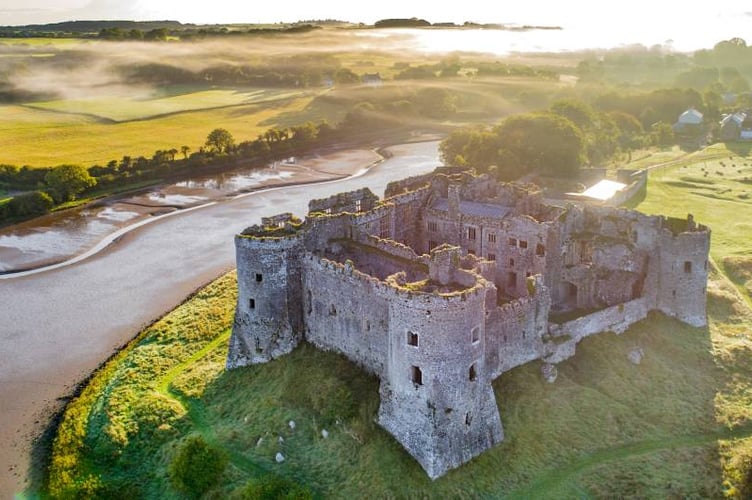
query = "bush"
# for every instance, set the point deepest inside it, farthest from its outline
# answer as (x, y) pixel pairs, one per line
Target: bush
(272, 487)
(196, 467)
(34, 203)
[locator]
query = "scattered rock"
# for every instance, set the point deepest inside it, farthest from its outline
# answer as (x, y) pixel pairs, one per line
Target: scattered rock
(260, 441)
(281, 439)
(245, 420)
(324, 433)
(279, 458)
(549, 372)
(635, 355)
(292, 424)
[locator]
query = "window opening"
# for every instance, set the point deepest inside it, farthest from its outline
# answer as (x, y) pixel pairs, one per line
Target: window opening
(473, 375)
(416, 375)
(252, 303)
(412, 338)
(259, 278)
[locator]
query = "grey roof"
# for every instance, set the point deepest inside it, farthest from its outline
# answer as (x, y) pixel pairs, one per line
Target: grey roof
(736, 117)
(475, 208)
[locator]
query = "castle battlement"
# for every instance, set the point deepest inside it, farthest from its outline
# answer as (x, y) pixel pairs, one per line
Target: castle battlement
(451, 281)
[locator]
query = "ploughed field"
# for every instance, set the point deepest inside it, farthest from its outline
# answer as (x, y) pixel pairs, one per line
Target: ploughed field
(679, 424)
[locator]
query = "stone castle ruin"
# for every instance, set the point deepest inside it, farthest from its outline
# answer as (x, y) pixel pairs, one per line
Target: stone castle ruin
(450, 281)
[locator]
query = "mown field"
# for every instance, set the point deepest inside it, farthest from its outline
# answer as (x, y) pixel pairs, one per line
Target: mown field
(679, 425)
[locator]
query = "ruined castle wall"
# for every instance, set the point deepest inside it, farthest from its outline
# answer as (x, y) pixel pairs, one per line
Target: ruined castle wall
(406, 216)
(683, 276)
(516, 330)
(636, 182)
(342, 313)
(268, 316)
(322, 229)
(614, 319)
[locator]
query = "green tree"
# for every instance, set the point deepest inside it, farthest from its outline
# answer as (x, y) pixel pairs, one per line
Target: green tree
(220, 140)
(196, 467)
(67, 181)
(34, 203)
(544, 142)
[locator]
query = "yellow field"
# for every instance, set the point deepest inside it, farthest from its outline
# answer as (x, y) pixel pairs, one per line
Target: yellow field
(40, 138)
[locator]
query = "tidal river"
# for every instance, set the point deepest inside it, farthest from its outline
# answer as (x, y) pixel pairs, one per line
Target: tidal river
(58, 325)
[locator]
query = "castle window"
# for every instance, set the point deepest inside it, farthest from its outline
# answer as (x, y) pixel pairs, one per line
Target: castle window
(332, 310)
(511, 262)
(512, 280)
(523, 244)
(634, 236)
(358, 205)
(416, 375)
(475, 334)
(310, 302)
(384, 230)
(468, 419)
(259, 278)
(473, 375)
(492, 237)
(492, 256)
(512, 242)
(540, 250)
(433, 227)
(673, 293)
(471, 233)
(687, 266)
(252, 303)
(412, 339)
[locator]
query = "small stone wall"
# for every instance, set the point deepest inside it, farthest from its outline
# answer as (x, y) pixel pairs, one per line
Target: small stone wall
(615, 319)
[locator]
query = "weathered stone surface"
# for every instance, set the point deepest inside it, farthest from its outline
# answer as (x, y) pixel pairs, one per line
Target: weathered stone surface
(449, 283)
(550, 372)
(635, 355)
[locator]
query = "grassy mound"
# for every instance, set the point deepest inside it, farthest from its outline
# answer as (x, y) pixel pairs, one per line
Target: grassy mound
(677, 425)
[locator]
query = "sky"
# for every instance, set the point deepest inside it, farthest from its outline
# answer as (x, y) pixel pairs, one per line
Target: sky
(632, 21)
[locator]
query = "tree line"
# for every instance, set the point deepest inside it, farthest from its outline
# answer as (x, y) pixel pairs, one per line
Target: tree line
(555, 142)
(45, 188)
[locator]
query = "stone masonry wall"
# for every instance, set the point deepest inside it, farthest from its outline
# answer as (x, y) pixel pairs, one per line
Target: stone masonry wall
(343, 313)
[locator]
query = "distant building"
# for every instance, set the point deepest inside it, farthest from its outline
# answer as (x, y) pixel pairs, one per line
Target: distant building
(690, 119)
(746, 130)
(731, 126)
(372, 79)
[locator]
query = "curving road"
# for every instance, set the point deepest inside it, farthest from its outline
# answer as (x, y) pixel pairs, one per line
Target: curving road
(58, 326)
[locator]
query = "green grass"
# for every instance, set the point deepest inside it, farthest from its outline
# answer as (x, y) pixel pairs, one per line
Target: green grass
(168, 100)
(679, 425)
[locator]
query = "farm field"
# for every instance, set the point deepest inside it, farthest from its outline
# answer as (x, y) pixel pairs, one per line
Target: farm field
(87, 140)
(164, 101)
(677, 425)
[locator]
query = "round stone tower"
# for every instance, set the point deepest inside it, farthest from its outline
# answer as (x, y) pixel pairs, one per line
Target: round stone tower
(436, 397)
(268, 317)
